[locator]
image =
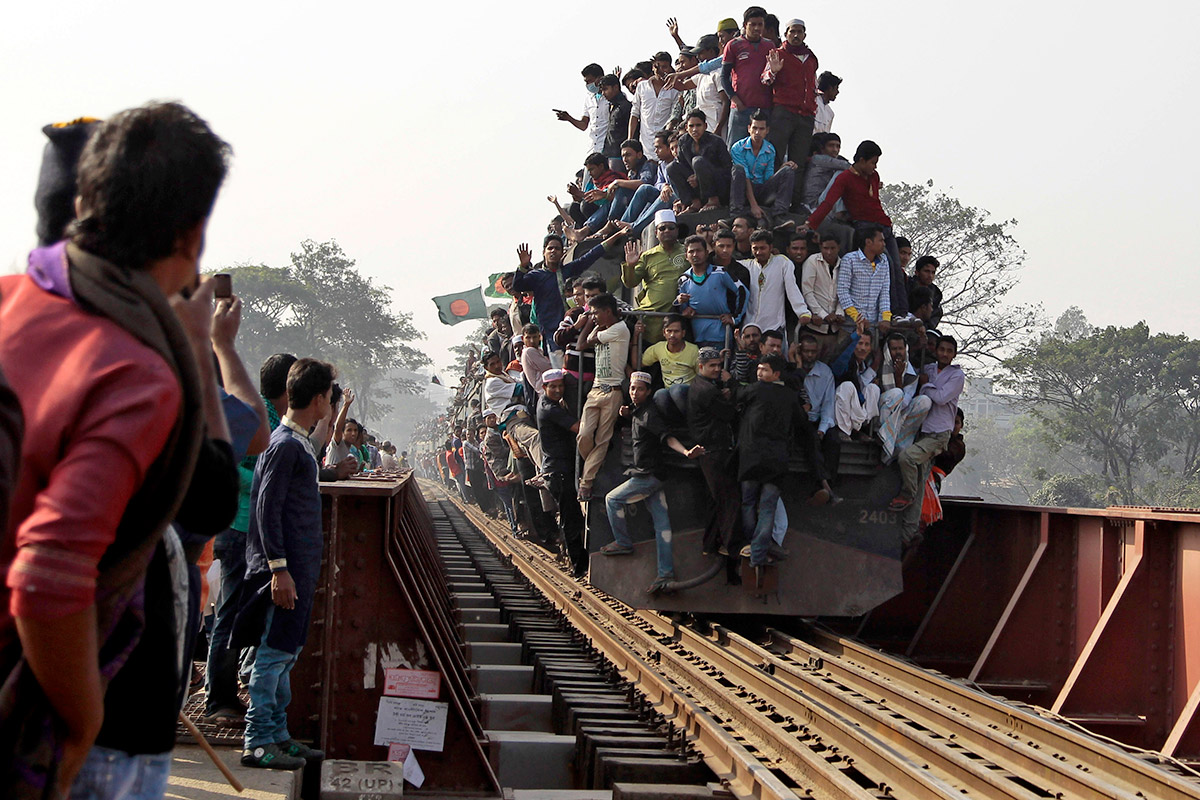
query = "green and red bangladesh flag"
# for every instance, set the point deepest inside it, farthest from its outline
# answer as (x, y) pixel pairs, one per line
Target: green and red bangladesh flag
(455, 308)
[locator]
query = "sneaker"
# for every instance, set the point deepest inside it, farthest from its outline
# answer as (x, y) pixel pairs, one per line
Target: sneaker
(269, 756)
(300, 750)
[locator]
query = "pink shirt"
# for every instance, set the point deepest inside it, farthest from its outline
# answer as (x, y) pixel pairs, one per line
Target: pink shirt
(98, 408)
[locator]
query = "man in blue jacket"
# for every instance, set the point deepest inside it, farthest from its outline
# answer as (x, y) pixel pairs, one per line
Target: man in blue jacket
(283, 552)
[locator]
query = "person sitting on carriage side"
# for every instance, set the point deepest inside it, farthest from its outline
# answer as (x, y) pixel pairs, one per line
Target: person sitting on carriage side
(710, 416)
(901, 412)
(819, 385)
(857, 394)
(923, 277)
(706, 291)
(650, 434)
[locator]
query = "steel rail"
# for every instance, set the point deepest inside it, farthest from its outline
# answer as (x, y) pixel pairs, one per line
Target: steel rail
(903, 730)
(721, 727)
(1091, 762)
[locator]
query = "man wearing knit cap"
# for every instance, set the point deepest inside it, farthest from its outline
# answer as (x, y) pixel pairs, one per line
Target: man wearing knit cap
(792, 75)
(558, 428)
(650, 433)
(658, 268)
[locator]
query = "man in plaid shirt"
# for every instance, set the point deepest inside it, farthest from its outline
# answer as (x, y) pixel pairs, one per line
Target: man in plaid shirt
(865, 280)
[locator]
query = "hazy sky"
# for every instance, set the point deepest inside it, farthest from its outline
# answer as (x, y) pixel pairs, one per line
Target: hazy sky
(426, 146)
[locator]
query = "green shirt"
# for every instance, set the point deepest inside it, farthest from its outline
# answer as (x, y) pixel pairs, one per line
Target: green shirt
(660, 272)
(241, 522)
(676, 367)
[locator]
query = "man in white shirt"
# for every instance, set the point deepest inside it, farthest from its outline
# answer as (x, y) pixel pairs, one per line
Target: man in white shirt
(772, 277)
(594, 118)
(652, 103)
(610, 338)
(818, 284)
(828, 86)
(710, 97)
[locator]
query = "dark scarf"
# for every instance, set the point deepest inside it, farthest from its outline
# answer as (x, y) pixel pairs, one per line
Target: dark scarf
(30, 731)
(797, 49)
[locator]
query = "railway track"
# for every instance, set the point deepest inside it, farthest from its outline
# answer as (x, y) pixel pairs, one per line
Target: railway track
(780, 717)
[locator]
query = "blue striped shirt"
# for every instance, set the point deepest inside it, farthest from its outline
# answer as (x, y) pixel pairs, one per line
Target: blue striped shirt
(865, 287)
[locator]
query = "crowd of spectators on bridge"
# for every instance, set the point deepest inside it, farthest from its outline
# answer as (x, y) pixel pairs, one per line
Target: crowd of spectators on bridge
(136, 448)
(764, 307)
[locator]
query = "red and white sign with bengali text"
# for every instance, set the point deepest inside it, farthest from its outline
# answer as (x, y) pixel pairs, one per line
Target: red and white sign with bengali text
(411, 683)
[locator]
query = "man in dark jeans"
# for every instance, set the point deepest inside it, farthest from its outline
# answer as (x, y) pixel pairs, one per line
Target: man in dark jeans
(558, 428)
(475, 473)
(710, 416)
(700, 175)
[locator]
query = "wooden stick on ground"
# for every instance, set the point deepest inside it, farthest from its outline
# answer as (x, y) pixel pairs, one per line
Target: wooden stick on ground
(208, 748)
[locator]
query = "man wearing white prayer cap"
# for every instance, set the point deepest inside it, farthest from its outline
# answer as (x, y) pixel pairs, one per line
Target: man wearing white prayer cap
(659, 269)
(650, 434)
(792, 73)
(558, 427)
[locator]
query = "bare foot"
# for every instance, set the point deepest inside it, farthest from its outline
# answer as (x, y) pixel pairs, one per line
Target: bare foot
(713, 203)
(576, 236)
(625, 226)
(694, 207)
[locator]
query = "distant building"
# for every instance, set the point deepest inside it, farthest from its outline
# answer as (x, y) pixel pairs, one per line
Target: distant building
(981, 401)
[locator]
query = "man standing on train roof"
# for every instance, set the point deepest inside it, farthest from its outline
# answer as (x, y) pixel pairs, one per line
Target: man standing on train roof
(545, 282)
(650, 434)
(659, 268)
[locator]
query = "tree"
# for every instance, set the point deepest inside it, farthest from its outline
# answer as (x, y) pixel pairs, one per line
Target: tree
(473, 342)
(321, 306)
(980, 265)
(1113, 394)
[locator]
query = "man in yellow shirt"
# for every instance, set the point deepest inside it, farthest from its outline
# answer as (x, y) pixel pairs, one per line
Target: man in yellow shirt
(658, 268)
(676, 357)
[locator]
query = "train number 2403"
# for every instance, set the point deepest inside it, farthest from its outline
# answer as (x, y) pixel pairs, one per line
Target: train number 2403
(877, 517)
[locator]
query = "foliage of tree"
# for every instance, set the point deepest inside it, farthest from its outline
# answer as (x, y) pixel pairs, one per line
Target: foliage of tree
(320, 305)
(1073, 491)
(980, 265)
(472, 342)
(1125, 397)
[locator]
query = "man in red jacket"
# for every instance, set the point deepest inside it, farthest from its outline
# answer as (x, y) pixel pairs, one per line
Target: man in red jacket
(792, 75)
(858, 188)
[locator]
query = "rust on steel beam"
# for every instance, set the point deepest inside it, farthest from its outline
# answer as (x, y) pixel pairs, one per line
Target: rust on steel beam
(1120, 686)
(339, 678)
(970, 602)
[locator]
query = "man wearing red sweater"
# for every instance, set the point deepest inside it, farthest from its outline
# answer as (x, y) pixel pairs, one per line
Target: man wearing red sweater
(858, 188)
(792, 75)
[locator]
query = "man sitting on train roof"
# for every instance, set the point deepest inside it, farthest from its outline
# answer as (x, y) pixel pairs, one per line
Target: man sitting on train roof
(901, 412)
(940, 384)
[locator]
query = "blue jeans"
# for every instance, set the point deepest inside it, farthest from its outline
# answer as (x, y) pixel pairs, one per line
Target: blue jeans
(645, 203)
(505, 493)
(113, 775)
(765, 496)
(270, 692)
(620, 201)
(634, 490)
(221, 675)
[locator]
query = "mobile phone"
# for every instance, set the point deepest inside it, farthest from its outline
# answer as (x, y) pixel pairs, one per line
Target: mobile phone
(222, 285)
